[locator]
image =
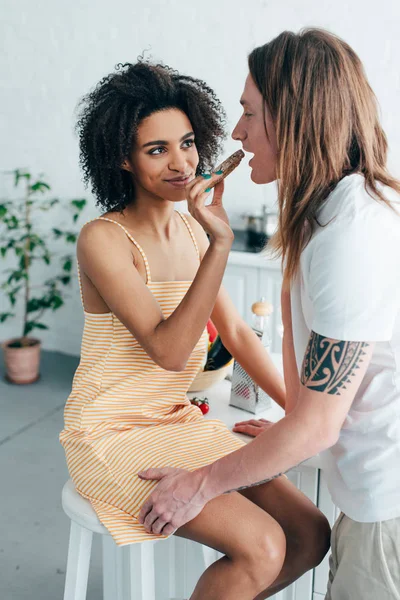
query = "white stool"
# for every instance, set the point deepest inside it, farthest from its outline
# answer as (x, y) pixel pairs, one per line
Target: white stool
(128, 571)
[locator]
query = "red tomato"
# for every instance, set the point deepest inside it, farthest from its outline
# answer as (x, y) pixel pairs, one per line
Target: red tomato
(204, 408)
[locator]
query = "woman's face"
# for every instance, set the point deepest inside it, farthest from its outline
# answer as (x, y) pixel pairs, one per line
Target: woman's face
(252, 129)
(165, 157)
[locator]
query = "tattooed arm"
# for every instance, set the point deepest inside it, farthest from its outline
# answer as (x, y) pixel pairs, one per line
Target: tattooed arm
(332, 372)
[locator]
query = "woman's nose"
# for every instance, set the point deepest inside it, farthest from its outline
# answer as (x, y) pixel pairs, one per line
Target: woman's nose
(177, 162)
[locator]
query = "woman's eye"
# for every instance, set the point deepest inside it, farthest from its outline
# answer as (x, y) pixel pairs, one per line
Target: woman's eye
(188, 143)
(248, 115)
(155, 151)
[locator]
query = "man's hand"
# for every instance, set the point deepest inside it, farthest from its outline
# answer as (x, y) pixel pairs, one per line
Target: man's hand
(177, 499)
(253, 427)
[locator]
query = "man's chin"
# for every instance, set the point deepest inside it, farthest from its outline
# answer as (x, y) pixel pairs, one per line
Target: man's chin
(260, 178)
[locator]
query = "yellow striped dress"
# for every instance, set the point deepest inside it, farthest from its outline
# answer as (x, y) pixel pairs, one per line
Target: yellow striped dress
(125, 413)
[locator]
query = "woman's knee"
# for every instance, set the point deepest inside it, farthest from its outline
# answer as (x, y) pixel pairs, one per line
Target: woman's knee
(263, 558)
(313, 542)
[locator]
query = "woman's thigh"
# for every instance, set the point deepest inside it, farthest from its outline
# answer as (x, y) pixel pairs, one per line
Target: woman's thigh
(235, 526)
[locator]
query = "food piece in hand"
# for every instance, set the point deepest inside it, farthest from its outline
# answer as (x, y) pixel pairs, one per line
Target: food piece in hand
(202, 403)
(218, 356)
(228, 166)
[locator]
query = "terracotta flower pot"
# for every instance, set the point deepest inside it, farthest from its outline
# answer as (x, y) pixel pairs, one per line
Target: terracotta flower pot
(22, 363)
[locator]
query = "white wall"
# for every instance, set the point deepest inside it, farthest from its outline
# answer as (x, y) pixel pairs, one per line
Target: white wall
(56, 50)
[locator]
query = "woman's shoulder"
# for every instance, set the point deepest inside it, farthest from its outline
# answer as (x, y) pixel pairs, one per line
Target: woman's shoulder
(100, 233)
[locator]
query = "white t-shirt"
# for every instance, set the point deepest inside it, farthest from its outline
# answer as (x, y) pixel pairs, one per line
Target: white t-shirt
(348, 288)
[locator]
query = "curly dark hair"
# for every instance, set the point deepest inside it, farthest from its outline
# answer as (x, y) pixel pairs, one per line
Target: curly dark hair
(110, 115)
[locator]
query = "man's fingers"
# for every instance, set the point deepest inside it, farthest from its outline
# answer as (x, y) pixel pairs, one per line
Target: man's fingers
(250, 422)
(168, 529)
(146, 508)
(247, 429)
(157, 526)
(149, 520)
(153, 474)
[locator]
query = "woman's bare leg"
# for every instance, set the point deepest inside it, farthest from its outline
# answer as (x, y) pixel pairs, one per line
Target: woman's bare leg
(306, 529)
(253, 544)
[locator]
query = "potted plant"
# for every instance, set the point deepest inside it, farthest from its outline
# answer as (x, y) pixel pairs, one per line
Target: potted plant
(26, 236)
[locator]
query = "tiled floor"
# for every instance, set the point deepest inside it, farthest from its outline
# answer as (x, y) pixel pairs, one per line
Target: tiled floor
(33, 528)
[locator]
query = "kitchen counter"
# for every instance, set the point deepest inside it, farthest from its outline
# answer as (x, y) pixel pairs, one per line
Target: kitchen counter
(253, 259)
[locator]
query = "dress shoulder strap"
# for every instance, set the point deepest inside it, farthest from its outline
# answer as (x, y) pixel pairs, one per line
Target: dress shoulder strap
(135, 243)
(184, 219)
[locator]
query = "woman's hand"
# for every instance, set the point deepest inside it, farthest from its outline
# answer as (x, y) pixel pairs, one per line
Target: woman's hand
(253, 427)
(213, 217)
(177, 499)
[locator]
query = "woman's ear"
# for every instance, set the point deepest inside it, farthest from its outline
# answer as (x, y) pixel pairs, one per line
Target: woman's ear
(126, 166)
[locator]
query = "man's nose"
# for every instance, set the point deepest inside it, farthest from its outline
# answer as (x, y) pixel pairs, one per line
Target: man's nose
(238, 133)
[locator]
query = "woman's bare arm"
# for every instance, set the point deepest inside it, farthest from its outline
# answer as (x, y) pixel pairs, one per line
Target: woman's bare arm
(105, 256)
(240, 339)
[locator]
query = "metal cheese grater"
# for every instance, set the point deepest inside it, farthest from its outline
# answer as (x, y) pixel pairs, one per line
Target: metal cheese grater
(245, 393)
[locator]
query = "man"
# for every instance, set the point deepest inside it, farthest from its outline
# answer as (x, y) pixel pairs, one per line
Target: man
(310, 119)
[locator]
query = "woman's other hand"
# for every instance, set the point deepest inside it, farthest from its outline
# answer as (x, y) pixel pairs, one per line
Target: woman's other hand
(252, 427)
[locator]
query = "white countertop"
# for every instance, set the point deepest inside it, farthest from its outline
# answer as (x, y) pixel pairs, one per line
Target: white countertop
(253, 259)
(218, 396)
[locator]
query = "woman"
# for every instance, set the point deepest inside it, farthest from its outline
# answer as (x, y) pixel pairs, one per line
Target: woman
(311, 120)
(150, 281)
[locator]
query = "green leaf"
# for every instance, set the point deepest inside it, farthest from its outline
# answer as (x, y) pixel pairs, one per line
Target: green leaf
(13, 293)
(67, 266)
(57, 232)
(57, 301)
(5, 316)
(24, 265)
(16, 276)
(3, 210)
(71, 237)
(34, 304)
(79, 204)
(33, 325)
(65, 280)
(12, 222)
(40, 186)
(19, 174)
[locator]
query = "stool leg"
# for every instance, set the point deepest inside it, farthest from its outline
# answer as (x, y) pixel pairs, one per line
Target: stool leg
(110, 568)
(137, 576)
(79, 550)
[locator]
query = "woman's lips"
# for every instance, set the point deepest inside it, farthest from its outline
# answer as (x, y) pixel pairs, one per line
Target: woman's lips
(179, 183)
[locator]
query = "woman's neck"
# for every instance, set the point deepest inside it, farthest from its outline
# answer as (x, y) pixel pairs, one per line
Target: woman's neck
(151, 215)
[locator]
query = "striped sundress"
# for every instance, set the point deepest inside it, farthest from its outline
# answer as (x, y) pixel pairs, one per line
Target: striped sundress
(125, 413)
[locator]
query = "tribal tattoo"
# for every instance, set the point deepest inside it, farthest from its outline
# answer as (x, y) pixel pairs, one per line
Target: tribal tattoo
(331, 364)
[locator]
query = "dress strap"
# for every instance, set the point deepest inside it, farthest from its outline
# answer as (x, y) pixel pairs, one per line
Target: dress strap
(80, 282)
(135, 243)
(184, 219)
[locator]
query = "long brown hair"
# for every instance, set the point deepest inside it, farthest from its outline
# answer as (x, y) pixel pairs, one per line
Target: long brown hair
(326, 119)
